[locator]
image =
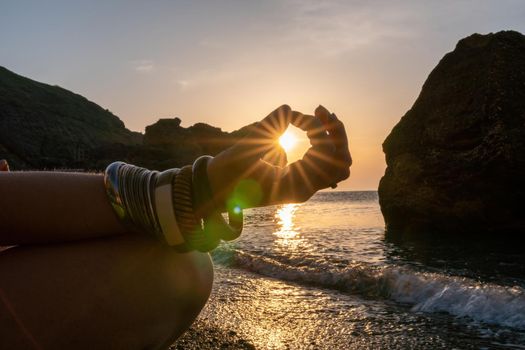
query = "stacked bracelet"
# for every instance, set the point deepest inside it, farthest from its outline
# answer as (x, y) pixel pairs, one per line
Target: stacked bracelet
(206, 207)
(170, 231)
(129, 189)
(189, 223)
(142, 200)
(176, 205)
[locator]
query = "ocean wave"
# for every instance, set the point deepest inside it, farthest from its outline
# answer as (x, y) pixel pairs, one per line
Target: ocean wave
(426, 292)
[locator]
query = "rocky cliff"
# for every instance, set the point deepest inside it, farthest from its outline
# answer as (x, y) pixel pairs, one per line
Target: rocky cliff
(456, 160)
(47, 127)
(44, 126)
(167, 144)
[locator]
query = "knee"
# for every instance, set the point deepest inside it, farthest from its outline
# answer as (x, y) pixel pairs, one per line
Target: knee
(168, 292)
(149, 293)
(175, 279)
(188, 283)
(189, 277)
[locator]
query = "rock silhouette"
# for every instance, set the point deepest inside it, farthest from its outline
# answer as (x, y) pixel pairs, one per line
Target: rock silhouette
(44, 126)
(456, 160)
(48, 127)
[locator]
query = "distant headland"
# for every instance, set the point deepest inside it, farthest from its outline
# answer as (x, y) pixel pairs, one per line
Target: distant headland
(48, 127)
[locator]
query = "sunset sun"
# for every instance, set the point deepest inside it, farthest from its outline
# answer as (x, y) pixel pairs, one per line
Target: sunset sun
(288, 141)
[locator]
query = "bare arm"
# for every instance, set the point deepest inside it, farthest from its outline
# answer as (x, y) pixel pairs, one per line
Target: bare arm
(45, 207)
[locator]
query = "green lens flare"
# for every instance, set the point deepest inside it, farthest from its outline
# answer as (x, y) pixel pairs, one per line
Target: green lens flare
(247, 194)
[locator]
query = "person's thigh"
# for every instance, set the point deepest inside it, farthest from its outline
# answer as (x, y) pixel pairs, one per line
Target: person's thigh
(125, 292)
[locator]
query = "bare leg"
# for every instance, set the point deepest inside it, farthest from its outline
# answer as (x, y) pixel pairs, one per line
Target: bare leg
(44, 207)
(122, 292)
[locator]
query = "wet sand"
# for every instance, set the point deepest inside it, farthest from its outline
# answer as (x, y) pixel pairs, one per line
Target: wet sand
(250, 311)
(330, 281)
(204, 336)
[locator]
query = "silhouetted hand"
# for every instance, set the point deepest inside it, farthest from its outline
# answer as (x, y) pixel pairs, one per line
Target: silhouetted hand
(239, 176)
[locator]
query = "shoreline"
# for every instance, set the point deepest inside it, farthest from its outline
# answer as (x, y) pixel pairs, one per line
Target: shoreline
(250, 311)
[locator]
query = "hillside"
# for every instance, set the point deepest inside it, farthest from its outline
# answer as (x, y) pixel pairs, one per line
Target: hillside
(48, 127)
(44, 126)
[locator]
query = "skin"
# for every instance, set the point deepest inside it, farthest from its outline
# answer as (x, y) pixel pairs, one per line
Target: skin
(80, 209)
(74, 261)
(327, 162)
(119, 292)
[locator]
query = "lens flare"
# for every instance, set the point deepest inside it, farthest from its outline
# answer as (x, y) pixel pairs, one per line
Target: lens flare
(288, 140)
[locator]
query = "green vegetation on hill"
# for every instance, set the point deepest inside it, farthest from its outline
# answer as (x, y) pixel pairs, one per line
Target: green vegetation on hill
(44, 126)
(48, 127)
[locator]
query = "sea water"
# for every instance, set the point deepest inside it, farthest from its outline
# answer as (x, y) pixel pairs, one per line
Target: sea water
(322, 275)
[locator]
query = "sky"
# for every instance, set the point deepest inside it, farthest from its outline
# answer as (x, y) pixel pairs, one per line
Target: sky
(231, 62)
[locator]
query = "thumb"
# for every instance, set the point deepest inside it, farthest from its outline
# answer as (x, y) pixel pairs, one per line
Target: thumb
(263, 135)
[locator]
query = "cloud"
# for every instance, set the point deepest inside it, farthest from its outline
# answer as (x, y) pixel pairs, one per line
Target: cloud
(336, 26)
(215, 77)
(183, 84)
(211, 43)
(143, 66)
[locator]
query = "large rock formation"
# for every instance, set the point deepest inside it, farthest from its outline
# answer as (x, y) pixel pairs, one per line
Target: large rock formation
(44, 126)
(456, 160)
(47, 127)
(167, 144)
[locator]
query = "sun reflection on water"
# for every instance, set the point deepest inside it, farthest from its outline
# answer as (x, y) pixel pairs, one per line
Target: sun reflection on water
(288, 233)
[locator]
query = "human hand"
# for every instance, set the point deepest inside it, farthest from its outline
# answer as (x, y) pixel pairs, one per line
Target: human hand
(239, 177)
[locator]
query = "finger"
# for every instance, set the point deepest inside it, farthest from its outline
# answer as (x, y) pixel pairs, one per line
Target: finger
(276, 156)
(334, 127)
(338, 133)
(262, 137)
(315, 170)
(297, 183)
(301, 179)
(273, 124)
(322, 169)
(266, 176)
(324, 116)
(315, 130)
(318, 162)
(277, 121)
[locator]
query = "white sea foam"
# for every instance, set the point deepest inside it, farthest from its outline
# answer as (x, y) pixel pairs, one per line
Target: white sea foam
(427, 292)
(485, 302)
